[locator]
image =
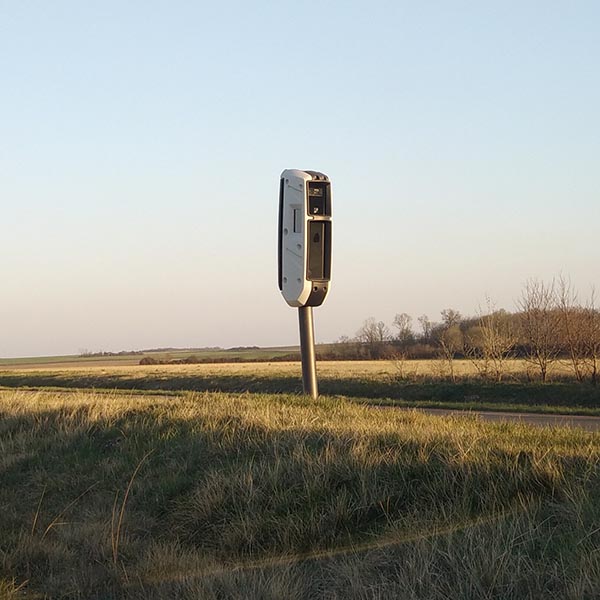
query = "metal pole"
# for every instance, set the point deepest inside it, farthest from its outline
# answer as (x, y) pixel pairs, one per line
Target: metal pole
(307, 351)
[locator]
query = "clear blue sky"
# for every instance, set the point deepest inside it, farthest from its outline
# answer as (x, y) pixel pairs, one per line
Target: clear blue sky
(141, 144)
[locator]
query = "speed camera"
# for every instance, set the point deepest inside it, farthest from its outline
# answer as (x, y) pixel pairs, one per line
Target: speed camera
(304, 237)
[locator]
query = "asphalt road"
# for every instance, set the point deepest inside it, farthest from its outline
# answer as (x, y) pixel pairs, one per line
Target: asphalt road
(541, 420)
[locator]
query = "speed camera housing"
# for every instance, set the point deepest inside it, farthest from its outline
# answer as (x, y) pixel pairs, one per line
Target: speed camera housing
(304, 237)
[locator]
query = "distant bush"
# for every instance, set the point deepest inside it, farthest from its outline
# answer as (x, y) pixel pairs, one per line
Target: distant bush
(191, 360)
(242, 348)
(102, 354)
(148, 360)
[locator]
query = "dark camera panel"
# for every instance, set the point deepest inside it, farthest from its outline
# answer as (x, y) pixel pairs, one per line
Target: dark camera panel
(316, 254)
(319, 250)
(319, 202)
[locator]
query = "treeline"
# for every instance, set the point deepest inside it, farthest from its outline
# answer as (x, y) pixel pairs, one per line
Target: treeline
(89, 354)
(550, 323)
(101, 353)
(203, 360)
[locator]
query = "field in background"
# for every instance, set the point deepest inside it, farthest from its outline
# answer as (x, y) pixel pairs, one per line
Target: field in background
(406, 369)
(248, 354)
(215, 495)
(403, 383)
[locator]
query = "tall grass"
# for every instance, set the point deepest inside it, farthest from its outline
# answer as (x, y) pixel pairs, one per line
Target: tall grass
(256, 496)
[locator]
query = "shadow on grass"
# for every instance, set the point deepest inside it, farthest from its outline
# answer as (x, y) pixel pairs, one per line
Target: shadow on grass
(231, 489)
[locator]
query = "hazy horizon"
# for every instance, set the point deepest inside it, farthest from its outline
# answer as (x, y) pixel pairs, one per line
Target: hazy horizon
(141, 145)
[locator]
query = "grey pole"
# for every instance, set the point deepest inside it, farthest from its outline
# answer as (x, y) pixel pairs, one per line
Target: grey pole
(307, 351)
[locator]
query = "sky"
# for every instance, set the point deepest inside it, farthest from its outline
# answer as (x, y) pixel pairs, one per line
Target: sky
(141, 145)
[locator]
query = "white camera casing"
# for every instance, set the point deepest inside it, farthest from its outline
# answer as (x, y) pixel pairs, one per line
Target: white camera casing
(304, 251)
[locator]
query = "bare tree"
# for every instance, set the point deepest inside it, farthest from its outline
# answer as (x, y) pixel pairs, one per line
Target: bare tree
(426, 327)
(451, 342)
(540, 323)
(450, 317)
(373, 333)
(474, 350)
(403, 323)
(591, 326)
(573, 332)
(492, 342)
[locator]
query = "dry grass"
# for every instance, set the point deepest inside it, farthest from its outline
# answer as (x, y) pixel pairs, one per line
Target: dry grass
(330, 369)
(375, 371)
(255, 496)
(412, 383)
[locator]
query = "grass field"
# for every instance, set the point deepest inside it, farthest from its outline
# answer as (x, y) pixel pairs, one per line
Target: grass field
(217, 495)
(128, 360)
(381, 382)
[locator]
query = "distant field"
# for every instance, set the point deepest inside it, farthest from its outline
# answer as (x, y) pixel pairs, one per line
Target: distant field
(255, 496)
(134, 359)
(406, 369)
